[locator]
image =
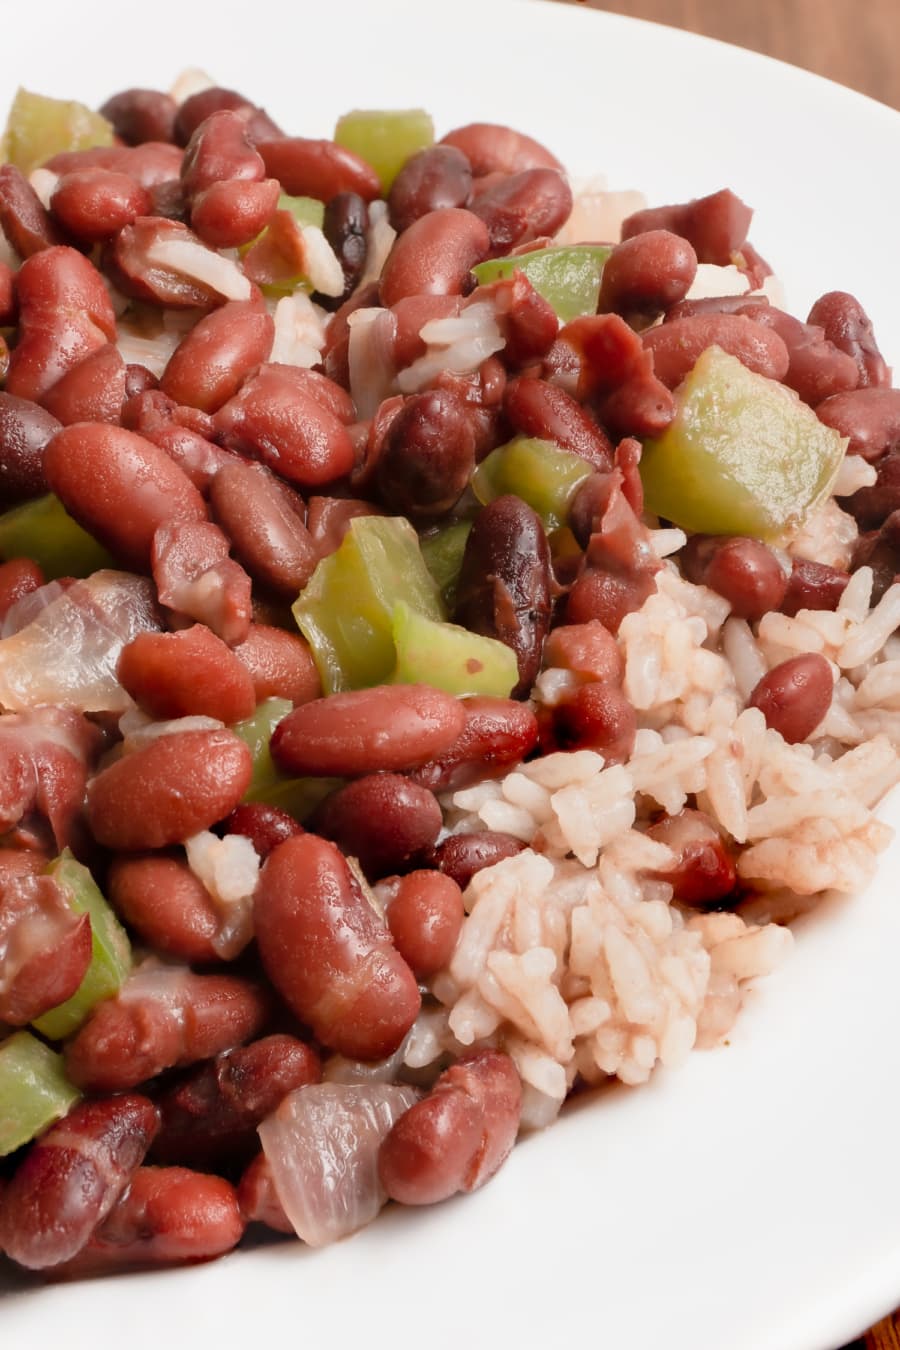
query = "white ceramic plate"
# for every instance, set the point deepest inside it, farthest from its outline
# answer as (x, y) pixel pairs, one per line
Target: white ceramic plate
(750, 1201)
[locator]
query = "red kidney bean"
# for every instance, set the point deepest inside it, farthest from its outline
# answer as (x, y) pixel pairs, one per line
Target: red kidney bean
(128, 262)
(275, 419)
(168, 789)
(152, 409)
(817, 368)
(224, 183)
(196, 456)
(460, 856)
(280, 664)
(166, 904)
(345, 226)
(536, 408)
(70, 1179)
(491, 148)
(9, 304)
(93, 204)
(436, 177)
(258, 1198)
(328, 519)
(138, 380)
(813, 585)
(16, 863)
(703, 872)
(521, 207)
(677, 344)
(411, 314)
(212, 361)
(139, 115)
(191, 673)
(263, 517)
(316, 386)
(457, 1137)
(880, 550)
(45, 948)
(482, 393)
(151, 164)
(526, 320)
(794, 696)
(196, 578)
(44, 759)
(168, 1216)
(504, 587)
(745, 572)
(596, 717)
(24, 220)
(210, 1118)
(329, 954)
(434, 256)
(25, 429)
(334, 736)
(849, 328)
(716, 225)
(498, 733)
(428, 456)
(92, 391)
(18, 577)
(647, 274)
(119, 486)
(588, 649)
(65, 313)
(425, 915)
(198, 107)
(265, 826)
(601, 357)
(870, 506)
(321, 169)
(383, 820)
(869, 417)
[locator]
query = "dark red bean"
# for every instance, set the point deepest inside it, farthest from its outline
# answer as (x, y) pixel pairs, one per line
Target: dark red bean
(151, 164)
(460, 856)
(92, 391)
(258, 1198)
(457, 1137)
(492, 148)
(18, 577)
(320, 169)
(263, 517)
(813, 585)
(329, 954)
(817, 369)
(280, 664)
(678, 343)
(138, 380)
(23, 219)
(428, 456)
(849, 328)
(45, 948)
(265, 826)
(425, 915)
(328, 519)
(139, 115)
(602, 358)
(199, 106)
(526, 320)
(383, 820)
(716, 225)
(196, 578)
(794, 696)
(871, 506)
(536, 408)
(167, 905)
(223, 178)
(210, 364)
(588, 649)
(498, 733)
(435, 255)
(129, 261)
(521, 207)
(25, 429)
(191, 673)
(745, 572)
(596, 717)
(333, 736)
(93, 204)
(869, 417)
(703, 872)
(345, 226)
(71, 1178)
(433, 178)
(647, 274)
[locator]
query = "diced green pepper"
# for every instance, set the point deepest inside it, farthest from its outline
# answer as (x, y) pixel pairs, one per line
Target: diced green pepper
(43, 531)
(110, 956)
(345, 612)
(567, 275)
(451, 658)
(34, 1090)
(305, 210)
(443, 553)
(297, 796)
(385, 139)
(537, 471)
(39, 127)
(743, 454)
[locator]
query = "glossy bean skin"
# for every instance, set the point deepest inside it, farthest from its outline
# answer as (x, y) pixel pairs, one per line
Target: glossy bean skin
(139, 115)
(436, 177)
(745, 572)
(498, 733)
(457, 1137)
(425, 915)
(191, 673)
(847, 325)
(93, 204)
(647, 274)
(383, 820)
(388, 728)
(70, 1179)
(813, 585)
(716, 226)
(45, 948)
(526, 320)
(794, 696)
(678, 343)
(210, 364)
(492, 148)
(434, 255)
(460, 856)
(197, 579)
(537, 408)
(870, 417)
(703, 872)
(504, 587)
(168, 1216)
(265, 826)
(25, 429)
(321, 169)
(168, 790)
(258, 1198)
(92, 391)
(18, 577)
(597, 717)
(522, 207)
(871, 506)
(23, 218)
(588, 649)
(345, 225)
(119, 486)
(223, 178)
(150, 164)
(166, 904)
(263, 517)
(163, 1020)
(129, 263)
(329, 954)
(428, 456)
(203, 104)
(280, 664)
(599, 358)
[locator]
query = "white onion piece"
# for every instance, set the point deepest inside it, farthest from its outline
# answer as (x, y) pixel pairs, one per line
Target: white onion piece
(26, 610)
(371, 358)
(322, 1147)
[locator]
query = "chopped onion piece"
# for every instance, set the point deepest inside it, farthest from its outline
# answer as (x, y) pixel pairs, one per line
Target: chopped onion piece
(199, 263)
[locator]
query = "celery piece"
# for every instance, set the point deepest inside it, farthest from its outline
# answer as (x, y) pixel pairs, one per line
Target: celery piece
(44, 531)
(305, 210)
(539, 472)
(450, 658)
(298, 796)
(568, 275)
(385, 139)
(110, 956)
(443, 553)
(742, 456)
(34, 1090)
(39, 127)
(345, 611)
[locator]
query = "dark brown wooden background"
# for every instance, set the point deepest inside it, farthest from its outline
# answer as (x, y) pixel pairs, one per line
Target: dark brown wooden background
(857, 43)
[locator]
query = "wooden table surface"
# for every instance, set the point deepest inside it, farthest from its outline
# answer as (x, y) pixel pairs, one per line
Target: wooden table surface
(855, 42)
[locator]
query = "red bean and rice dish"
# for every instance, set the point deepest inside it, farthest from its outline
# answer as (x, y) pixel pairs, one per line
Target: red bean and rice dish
(447, 633)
